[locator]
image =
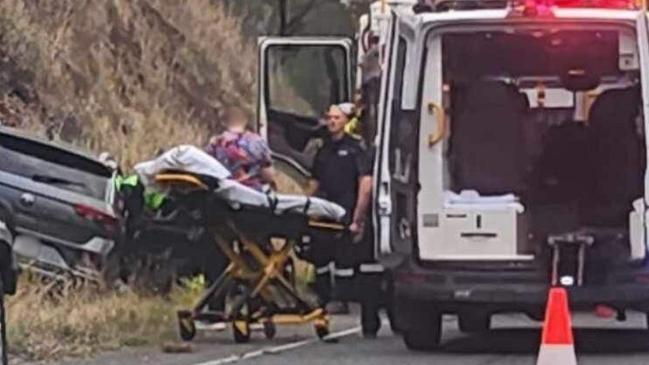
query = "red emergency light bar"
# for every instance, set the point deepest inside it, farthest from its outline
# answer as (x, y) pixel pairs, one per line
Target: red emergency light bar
(598, 4)
(543, 7)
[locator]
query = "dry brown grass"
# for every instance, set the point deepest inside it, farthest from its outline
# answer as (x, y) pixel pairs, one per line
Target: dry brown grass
(82, 321)
(143, 138)
(130, 76)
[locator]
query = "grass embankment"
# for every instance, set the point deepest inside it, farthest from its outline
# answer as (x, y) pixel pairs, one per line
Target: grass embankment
(48, 323)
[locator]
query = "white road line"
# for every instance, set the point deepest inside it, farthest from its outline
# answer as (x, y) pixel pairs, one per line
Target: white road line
(288, 346)
(281, 348)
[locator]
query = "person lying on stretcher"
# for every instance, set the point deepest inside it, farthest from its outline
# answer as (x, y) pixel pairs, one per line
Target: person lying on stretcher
(194, 161)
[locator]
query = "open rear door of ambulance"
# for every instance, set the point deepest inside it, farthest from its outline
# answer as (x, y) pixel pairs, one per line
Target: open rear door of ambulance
(396, 181)
(299, 77)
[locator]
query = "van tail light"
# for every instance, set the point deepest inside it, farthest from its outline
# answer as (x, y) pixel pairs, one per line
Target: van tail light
(108, 221)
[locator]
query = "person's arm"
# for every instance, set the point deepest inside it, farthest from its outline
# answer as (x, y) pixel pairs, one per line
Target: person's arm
(363, 164)
(312, 187)
(268, 176)
(362, 205)
(363, 201)
(210, 148)
(266, 172)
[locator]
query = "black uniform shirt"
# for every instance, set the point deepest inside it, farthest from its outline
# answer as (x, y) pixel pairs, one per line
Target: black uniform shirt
(337, 167)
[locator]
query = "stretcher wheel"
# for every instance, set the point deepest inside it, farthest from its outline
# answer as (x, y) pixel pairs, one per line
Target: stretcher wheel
(241, 331)
(270, 330)
(186, 326)
(187, 330)
(321, 329)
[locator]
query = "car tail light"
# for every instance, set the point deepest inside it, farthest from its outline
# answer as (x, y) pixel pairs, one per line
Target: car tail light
(108, 221)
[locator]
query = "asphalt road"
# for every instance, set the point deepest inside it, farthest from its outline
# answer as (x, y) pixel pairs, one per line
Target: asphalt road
(513, 340)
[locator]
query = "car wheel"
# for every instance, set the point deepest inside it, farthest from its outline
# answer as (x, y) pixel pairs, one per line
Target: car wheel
(474, 322)
(425, 334)
(3, 329)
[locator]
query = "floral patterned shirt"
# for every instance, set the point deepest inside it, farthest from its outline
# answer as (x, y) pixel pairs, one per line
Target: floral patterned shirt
(243, 154)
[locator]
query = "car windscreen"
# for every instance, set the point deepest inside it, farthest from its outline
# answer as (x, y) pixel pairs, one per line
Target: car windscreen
(53, 166)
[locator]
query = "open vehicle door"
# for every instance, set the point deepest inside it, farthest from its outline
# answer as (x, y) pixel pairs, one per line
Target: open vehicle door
(299, 78)
(396, 181)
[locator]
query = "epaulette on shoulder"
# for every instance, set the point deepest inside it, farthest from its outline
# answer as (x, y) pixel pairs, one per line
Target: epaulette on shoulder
(355, 137)
(358, 139)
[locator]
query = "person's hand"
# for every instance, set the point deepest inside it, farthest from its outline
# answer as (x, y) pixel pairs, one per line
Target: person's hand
(356, 229)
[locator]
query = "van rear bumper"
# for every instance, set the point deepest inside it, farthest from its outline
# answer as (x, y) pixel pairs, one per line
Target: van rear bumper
(514, 290)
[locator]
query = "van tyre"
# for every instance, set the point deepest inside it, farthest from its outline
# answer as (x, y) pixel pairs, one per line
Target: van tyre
(425, 334)
(474, 322)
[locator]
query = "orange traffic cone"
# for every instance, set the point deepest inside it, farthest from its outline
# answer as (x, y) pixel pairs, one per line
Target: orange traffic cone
(557, 345)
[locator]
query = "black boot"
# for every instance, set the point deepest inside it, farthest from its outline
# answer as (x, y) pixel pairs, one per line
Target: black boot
(370, 319)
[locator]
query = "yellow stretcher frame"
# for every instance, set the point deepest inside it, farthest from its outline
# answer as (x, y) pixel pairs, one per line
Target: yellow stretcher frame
(265, 278)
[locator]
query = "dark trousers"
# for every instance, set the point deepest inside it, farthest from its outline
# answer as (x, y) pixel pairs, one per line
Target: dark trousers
(369, 289)
(373, 285)
(356, 277)
(337, 255)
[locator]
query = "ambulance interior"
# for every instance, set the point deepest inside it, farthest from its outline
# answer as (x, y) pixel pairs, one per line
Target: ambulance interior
(548, 122)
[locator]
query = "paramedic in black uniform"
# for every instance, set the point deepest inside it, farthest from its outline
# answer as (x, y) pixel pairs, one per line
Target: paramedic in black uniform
(342, 174)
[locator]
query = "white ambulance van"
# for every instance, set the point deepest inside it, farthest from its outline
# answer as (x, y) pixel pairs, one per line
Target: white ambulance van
(510, 151)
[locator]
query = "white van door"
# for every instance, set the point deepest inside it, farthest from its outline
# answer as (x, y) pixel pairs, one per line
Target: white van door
(298, 79)
(639, 220)
(395, 172)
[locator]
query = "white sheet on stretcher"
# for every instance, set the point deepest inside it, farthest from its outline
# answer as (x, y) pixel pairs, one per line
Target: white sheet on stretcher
(193, 160)
(184, 158)
(471, 199)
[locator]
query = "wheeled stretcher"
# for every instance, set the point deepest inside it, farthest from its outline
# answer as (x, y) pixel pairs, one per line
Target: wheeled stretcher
(258, 233)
